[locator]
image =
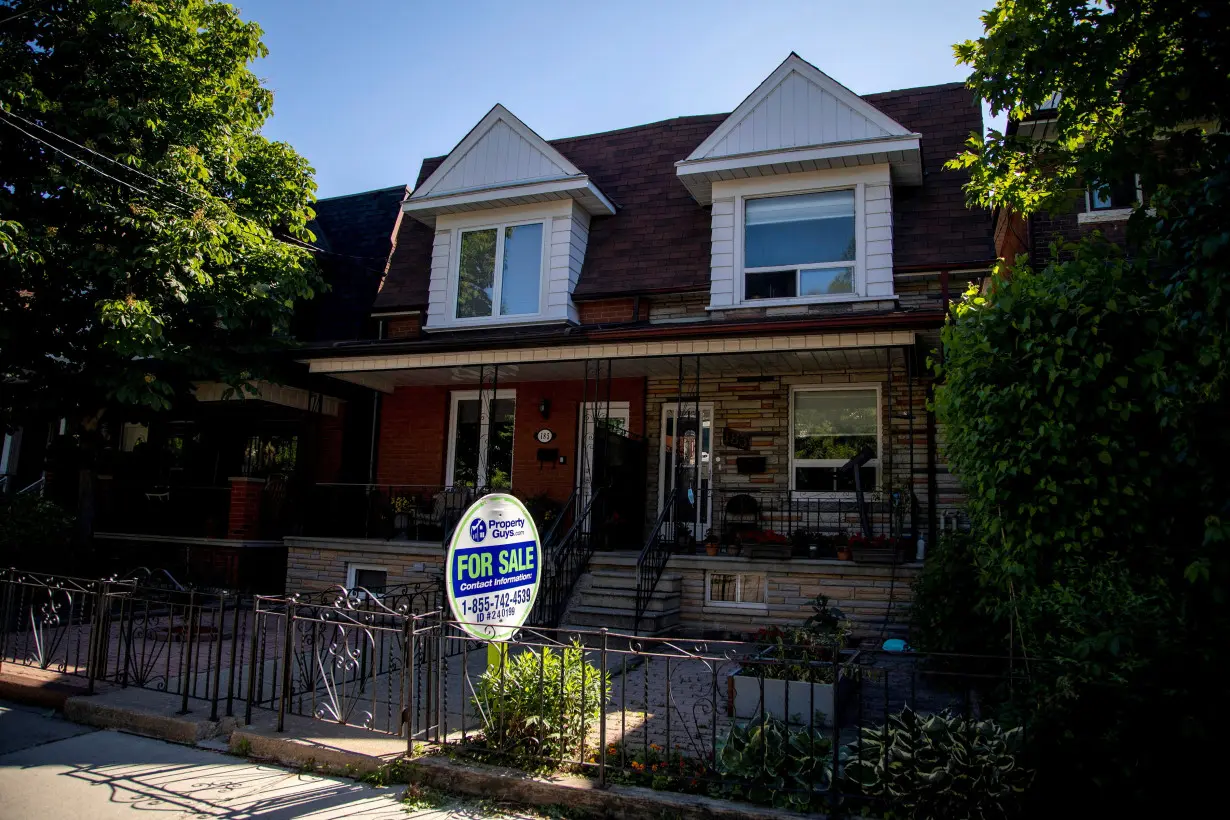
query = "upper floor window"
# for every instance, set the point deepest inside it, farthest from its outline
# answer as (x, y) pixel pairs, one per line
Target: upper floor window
(802, 245)
(500, 271)
(1107, 196)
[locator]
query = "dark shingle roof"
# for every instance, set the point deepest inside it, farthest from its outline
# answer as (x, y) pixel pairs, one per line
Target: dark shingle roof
(931, 225)
(357, 230)
(658, 240)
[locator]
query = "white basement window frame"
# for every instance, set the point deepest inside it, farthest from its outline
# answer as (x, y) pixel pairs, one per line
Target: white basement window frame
(352, 576)
(795, 462)
(747, 585)
(800, 270)
(498, 313)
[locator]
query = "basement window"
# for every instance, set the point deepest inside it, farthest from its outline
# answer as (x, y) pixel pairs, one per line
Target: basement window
(741, 589)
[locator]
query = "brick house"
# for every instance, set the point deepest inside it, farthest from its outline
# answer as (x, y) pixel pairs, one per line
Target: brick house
(707, 334)
(209, 492)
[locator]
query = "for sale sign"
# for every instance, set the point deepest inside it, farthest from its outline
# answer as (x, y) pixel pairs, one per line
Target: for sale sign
(494, 561)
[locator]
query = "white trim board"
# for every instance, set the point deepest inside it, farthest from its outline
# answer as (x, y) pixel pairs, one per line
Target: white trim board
(615, 350)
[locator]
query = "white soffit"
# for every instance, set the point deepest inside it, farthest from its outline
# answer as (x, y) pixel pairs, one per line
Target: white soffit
(502, 162)
(800, 119)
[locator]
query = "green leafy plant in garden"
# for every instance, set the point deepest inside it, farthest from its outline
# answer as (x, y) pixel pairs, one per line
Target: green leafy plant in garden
(938, 766)
(951, 611)
(540, 703)
(766, 762)
(32, 530)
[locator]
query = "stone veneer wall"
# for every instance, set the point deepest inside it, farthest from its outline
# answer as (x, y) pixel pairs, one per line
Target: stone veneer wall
(316, 563)
(867, 594)
(762, 408)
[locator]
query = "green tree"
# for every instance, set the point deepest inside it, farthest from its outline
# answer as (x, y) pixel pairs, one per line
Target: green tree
(150, 235)
(1085, 395)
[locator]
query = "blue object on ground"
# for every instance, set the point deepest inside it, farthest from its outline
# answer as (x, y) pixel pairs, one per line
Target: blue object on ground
(895, 645)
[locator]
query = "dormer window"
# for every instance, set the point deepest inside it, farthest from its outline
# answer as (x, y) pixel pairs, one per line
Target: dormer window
(515, 252)
(799, 246)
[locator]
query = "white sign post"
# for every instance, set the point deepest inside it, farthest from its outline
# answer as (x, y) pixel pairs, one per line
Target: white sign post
(493, 566)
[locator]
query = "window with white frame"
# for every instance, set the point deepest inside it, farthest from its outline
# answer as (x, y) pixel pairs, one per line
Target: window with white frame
(828, 428)
(1109, 196)
(371, 578)
(480, 445)
(800, 246)
(746, 589)
(499, 271)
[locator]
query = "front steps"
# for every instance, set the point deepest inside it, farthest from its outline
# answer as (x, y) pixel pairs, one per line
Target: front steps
(607, 598)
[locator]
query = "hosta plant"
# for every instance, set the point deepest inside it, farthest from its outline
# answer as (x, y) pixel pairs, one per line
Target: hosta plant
(938, 766)
(767, 763)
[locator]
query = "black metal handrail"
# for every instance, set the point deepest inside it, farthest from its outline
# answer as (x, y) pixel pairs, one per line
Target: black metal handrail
(567, 562)
(651, 562)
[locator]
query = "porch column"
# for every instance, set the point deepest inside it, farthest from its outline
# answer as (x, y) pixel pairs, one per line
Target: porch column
(244, 518)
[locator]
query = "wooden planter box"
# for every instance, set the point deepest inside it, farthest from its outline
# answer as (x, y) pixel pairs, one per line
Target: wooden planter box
(790, 701)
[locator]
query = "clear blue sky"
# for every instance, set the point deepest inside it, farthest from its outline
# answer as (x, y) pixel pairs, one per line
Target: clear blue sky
(366, 88)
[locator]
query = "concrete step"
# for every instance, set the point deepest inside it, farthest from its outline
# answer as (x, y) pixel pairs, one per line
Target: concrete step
(627, 601)
(619, 620)
(617, 579)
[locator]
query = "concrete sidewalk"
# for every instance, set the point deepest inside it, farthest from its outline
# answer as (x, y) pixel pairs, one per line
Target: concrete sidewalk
(52, 768)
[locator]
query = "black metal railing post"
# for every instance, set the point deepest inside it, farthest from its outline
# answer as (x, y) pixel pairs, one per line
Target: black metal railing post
(284, 700)
(219, 620)
(96, 643)
(9, 584)
(252, 694)
(186, 666)
(602, 714)
(230, 678)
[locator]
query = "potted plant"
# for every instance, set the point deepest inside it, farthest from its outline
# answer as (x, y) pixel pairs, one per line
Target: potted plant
(844, 550)
(711, 542)
(401, 516)
(800, 674)
(685, 539)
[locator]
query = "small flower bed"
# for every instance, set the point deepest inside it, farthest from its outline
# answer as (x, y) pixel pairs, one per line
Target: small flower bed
(657, 768)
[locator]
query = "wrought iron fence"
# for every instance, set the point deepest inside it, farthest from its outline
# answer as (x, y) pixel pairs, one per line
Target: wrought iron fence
(785, 719)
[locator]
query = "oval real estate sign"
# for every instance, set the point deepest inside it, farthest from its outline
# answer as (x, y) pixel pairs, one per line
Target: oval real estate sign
(493, 566)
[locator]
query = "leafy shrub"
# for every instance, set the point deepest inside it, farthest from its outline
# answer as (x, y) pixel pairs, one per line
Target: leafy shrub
(528, 713)
(806, 653)
(767, 763)
(950, 611)
(938, 766)
(31, 528)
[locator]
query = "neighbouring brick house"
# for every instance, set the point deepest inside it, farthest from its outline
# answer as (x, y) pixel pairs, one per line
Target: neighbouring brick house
(707, 329)
(210, 491)
(1100, 206)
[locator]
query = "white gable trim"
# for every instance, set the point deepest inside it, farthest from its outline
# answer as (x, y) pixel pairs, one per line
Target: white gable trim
(794, 64)
(580, 189)
(560, 167)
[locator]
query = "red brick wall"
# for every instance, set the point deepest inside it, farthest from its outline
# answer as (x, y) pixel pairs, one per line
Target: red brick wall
(414, 433)
(244, 518)
(613, 310)
(404, 327)
(329, 445)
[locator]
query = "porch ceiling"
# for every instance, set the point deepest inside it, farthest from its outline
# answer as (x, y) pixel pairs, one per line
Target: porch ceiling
(767, 363)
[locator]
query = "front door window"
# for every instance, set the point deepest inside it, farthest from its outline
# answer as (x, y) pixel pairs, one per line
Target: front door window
(481, 440)
(687, 463)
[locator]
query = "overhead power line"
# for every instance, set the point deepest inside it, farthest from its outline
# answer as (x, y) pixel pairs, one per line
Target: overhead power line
(288, 241)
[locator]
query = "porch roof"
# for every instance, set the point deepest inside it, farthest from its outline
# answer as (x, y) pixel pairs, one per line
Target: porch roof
(730, 356)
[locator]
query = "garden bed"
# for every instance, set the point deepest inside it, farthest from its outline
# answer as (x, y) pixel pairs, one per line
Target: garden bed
(797, 702)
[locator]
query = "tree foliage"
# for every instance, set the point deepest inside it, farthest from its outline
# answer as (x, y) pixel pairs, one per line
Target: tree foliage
(178, 255)
(1085, 395)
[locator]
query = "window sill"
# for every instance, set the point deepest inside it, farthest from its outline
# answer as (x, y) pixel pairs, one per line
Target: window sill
(720, 607)
(1108, 215)
(830, 300)
(503, 321)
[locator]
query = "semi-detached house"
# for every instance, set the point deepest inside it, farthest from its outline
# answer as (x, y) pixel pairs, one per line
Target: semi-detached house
(707, 334)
